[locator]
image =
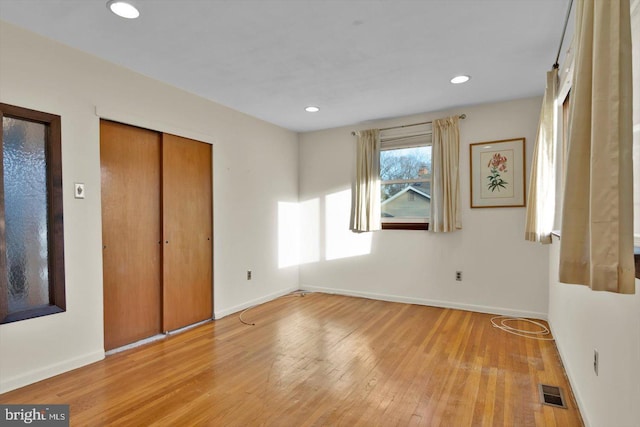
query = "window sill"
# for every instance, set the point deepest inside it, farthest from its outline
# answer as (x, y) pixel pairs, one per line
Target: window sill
(32, 313)
(405, 226)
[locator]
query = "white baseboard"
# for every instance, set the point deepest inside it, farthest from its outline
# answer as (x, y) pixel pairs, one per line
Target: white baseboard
(430, 302)
(8, 384)
(218, 314)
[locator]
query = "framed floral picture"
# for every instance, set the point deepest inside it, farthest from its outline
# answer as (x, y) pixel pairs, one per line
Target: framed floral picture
(497, 173)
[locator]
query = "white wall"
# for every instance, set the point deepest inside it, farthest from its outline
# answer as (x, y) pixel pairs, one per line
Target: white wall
(501, 272)
(255, 168)
(583, 320)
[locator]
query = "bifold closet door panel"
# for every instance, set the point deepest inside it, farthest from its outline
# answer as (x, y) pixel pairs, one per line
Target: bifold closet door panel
(130, 161)
(188, 232)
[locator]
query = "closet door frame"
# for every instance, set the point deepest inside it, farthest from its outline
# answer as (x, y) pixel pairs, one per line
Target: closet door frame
(165, 323)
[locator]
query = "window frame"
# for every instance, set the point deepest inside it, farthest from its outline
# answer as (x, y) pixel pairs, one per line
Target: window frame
(401, 138)
(55, 223)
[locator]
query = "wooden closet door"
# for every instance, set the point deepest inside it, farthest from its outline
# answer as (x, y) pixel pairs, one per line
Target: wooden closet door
(187, 229)
(130, 161)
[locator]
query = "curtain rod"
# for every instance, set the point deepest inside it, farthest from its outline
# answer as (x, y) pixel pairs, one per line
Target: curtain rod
(461, 116)
(564, 30)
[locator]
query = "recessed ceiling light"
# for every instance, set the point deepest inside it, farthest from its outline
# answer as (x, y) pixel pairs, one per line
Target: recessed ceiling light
(311, 109)
(123, 9)
(460, 79)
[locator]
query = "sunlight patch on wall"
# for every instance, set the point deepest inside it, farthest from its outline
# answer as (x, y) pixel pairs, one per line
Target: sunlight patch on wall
(309, 231)
(298, 233)
(340, 241)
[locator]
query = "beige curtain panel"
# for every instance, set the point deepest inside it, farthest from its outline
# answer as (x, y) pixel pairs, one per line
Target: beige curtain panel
(365, 205)
(541, 197)
(596, 247)
(445, 179)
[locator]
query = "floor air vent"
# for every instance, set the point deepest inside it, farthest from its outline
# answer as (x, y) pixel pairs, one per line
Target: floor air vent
(551, 395)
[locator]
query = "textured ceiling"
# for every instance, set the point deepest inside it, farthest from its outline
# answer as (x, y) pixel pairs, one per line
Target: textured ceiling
(358, 60)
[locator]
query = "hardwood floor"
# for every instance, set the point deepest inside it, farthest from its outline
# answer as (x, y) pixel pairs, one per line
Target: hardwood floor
(321, 360)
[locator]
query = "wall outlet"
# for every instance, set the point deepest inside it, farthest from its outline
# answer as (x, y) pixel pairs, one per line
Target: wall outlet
(248, 274)
(458, 276)
(596, 361)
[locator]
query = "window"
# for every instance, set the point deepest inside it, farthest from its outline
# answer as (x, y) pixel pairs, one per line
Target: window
(31, 228)
(563, 103)
(405, 175)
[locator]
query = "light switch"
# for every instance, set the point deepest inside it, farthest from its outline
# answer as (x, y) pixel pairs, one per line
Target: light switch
(79, 190)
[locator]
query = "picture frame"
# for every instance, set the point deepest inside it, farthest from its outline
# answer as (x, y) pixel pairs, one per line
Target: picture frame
(497, 171)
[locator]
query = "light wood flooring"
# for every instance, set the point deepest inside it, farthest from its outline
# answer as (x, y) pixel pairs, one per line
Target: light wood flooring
(321, 360)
